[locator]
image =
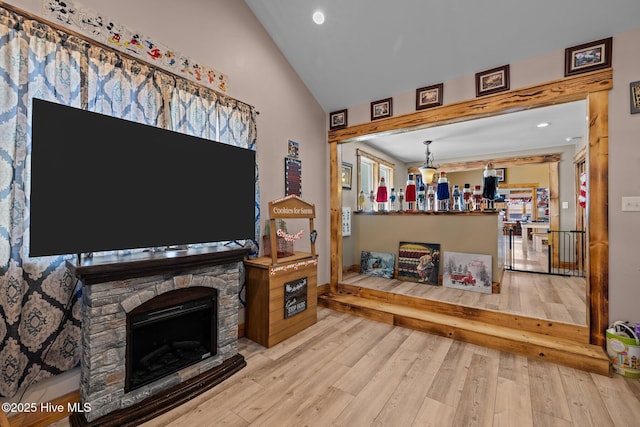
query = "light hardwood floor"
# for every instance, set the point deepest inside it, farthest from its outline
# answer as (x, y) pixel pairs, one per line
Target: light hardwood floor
(351, 371)
(558, 298)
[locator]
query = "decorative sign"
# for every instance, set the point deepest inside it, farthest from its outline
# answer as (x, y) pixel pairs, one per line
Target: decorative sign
(103, 29)
(346, 221)
(291, 207)
(292, 177)
(295, 297)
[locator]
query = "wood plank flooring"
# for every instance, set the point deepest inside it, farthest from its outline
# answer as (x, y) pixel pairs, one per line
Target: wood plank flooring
(558, 298)
(351, 371)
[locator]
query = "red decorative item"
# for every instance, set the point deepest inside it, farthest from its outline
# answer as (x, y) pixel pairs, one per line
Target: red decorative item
(582, 198)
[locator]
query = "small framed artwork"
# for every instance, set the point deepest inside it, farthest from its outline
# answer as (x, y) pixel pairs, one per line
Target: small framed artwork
(293, 148)
(430, 96)
(292, 177)
(378, 264)
(635, 97)
(338, 120)
(588, 57)
(347, 173)
(492, 81)
(501, 173)
(382, 109)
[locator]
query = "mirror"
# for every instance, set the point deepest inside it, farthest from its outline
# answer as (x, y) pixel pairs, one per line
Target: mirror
(589, 87)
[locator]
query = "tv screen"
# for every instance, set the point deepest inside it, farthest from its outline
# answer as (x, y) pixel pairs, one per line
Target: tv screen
(101, 183)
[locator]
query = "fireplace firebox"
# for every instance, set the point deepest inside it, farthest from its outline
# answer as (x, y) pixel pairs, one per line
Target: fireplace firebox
(170, 332)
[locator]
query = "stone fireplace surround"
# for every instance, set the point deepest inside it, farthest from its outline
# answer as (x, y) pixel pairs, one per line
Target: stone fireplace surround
(113, 287)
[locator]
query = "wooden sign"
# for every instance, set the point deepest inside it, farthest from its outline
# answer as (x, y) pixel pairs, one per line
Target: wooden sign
(291, 207)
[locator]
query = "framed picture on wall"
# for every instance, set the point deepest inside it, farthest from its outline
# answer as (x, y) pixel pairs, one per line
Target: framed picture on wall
(635, 97)
(338, 120)
(429, 96)
(382, 109)
(588, 57)
(501, 173)
(292, 177)
(492, 81)
(347, 174)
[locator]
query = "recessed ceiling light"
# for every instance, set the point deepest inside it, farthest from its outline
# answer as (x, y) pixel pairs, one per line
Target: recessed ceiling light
(543, 124)
(318, 17)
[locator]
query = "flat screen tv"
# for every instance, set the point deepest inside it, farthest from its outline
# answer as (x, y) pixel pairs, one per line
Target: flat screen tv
(101, 183)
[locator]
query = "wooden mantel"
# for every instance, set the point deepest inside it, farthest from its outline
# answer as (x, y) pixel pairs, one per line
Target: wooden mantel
(118, 267)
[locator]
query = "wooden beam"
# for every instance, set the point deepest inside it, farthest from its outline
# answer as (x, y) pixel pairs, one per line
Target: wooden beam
(598, 216)
(555, 92)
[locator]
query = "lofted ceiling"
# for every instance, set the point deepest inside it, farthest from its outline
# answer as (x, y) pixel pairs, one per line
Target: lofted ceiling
(372, 49)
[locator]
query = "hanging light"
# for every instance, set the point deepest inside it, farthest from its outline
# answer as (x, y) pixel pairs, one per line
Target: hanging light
(428, 170)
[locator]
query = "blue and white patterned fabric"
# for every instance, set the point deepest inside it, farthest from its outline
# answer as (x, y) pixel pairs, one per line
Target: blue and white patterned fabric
(39, 61)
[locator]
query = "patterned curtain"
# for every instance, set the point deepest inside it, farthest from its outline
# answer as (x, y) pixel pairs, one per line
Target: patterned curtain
(37, 339)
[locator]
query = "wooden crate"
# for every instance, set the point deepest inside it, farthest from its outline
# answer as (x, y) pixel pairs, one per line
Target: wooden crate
(265, 321)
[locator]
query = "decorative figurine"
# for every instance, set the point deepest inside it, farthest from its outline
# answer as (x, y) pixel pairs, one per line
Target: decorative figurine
(421, 197)
(382, 196)
(431, 199)
(490, 190)
(442, 192)
(362, 201)
(457, 198)
(392, 199)
(466, 197)
(372, 201)
(477, 198)
(400, 200)
(410, 193)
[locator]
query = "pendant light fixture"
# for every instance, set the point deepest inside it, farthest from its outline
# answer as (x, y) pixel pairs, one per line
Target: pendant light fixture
(428, 170)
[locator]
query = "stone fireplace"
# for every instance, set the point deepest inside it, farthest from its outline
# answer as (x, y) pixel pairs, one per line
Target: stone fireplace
(156, 325)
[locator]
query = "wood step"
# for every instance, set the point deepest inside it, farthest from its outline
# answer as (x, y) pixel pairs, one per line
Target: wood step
(562, 351)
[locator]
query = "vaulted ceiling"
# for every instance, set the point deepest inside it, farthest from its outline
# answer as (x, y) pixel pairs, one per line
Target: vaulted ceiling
(372, 49)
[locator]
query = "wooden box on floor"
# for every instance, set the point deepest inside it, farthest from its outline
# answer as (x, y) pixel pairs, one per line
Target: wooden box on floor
(282, 293)
(265, 313)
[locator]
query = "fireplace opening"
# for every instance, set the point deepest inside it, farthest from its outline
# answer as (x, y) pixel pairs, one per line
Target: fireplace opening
(169, 333)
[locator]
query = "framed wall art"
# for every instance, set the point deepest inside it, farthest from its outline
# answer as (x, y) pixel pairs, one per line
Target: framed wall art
(347, 174)
(492, 81)
(338, 120)
(382, 109)
(588, 57)
(292, 177)
(635, 97)
(419, 262)
(470, 272)
(293, 148)
(501, 173)
(429, 96)
(379, 264)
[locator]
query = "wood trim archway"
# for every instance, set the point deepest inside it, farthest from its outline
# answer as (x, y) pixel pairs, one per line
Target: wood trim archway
(593, 87)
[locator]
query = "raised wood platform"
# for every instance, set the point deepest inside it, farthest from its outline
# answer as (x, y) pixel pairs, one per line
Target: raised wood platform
(556, 342)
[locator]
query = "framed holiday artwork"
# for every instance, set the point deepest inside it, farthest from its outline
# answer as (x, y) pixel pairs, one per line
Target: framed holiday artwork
(469, 272)
(292, 177)
(419, 262)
